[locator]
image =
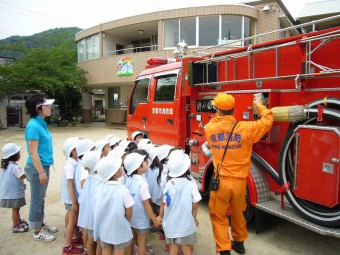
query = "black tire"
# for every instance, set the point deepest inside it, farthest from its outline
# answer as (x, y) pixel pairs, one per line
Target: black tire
(249, 213)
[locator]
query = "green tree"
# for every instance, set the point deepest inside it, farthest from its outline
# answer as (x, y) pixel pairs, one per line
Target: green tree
(51, 69)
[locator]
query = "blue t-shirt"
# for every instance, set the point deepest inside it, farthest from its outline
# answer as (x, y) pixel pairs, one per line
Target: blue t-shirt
(36, 129)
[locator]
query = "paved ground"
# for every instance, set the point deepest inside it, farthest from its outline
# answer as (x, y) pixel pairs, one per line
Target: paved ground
(284, 238)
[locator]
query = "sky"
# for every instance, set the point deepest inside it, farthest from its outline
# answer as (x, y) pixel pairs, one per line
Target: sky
(28, 17)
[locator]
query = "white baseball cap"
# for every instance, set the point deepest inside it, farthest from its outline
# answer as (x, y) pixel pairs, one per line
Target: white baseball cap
(163, 151)
(84, 145)
(107, 167)
(90, 159)
(9, 150)
(134, 134)
(143, 142)
(178, 163)
(46, 102)
(101, 144)
(69, 145)
(117, 152)
(133, 161)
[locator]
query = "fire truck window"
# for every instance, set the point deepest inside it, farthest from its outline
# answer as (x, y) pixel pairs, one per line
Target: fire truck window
(203, 73)
(140, 94)
(165, 89)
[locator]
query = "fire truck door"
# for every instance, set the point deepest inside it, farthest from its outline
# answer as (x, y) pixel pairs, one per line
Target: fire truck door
(137, 116)
(163, 125)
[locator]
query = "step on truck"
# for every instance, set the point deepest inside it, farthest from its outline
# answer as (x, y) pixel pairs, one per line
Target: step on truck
(295, 170)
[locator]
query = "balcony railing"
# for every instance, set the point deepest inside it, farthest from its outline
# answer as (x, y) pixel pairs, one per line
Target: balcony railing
(130, 50)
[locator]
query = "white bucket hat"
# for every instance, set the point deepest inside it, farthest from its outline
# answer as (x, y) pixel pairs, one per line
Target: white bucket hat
(147, 147)
(100, 144)
(10, 149)
(46, 102)
(153, 153)
(133, 161)
(84, 145)
(143, 142)
(107, 167)
(69, 145)
(117, 152)
(134, 134)
(114, 140)
(178, 164)
(163, 151)
(90, 159)
(124, 144)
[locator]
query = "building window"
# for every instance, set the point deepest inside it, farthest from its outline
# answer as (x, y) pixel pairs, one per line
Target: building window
(165, 88)
(171, 34)
(208, 30)
(92, 47)
(140, 94)
(188, 31)
(81, 50)
(231, 28)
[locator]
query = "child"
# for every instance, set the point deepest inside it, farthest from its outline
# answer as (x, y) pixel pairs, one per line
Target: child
(181, 197)
(137, 136)
(83, 146)
(112, 208)
(69, 196)
(118, 152)
(114, 141)
(85, 219)
(136, 165)
(12, 187)
(103, 146)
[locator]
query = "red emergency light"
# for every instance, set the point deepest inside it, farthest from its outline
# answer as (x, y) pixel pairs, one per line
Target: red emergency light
(160, 61)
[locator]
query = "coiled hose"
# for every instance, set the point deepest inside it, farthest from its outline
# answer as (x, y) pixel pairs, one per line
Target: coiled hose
(324, 216)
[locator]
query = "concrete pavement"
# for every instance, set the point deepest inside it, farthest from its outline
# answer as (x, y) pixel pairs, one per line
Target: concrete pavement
(283, 238)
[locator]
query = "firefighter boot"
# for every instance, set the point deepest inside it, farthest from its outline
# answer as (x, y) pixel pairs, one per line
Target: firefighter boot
(238, 247)
(224, 252)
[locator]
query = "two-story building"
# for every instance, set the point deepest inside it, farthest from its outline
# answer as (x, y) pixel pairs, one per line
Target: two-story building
(115, 52)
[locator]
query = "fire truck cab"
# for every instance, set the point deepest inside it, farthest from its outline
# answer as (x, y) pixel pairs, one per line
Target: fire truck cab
(295, 171)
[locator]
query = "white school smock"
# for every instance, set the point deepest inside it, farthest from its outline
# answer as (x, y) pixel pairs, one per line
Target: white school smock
(11, 186)
(77, 178)
(69, 171)
(154, 188)
(109, 203)
(85, 216)
(139, 191)
(178, 220)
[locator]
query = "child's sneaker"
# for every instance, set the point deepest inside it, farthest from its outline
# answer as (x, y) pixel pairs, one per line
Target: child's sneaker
(50, 229)
(43, 236)
(19, 229)
(78, 241)
(161, 236)
(23, 222)
(72, 250)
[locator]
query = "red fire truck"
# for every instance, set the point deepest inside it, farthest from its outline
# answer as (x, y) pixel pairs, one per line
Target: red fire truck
(295, 171)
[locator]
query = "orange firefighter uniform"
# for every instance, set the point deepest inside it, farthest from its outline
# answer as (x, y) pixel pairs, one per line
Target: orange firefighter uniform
(233, 170)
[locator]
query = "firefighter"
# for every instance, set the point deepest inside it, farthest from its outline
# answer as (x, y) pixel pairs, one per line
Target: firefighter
(234, 168)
